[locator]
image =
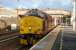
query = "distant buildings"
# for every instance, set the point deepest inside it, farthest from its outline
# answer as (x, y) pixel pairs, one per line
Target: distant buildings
(11, 15)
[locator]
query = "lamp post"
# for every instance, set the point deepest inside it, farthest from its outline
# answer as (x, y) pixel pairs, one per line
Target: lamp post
(73, 18)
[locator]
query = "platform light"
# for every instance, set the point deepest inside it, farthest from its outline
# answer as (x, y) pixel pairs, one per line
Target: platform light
(30, 28)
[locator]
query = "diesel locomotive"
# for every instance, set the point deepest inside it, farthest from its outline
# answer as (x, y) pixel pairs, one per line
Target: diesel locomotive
(33, 26)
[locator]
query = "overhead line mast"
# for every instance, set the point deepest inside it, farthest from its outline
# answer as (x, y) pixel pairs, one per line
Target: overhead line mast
(17, 7)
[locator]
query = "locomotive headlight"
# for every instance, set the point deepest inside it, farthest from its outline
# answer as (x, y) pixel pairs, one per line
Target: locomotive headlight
(30, 28)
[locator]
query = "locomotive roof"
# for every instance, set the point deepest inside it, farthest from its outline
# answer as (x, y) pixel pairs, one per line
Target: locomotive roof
(36, 12)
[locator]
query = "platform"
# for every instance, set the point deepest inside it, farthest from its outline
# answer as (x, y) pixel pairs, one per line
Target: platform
(61, 38)
(47, 42)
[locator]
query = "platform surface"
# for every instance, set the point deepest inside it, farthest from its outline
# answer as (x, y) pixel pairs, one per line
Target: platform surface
(66, 40)
(47, 42)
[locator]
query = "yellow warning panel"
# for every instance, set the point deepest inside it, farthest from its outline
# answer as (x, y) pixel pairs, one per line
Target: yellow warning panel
(30, 24)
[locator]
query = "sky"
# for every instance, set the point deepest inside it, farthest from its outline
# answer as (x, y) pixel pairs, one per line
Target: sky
(53, 4)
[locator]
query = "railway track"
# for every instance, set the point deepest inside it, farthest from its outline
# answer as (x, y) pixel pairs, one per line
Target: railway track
(8, 41)
(11, 42)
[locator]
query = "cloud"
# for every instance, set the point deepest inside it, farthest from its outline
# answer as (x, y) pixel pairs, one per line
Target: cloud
(38, 3)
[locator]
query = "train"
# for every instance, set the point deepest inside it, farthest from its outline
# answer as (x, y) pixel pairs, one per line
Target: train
(33, 26)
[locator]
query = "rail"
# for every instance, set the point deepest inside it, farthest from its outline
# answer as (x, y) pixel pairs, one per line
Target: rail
(1, 41)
